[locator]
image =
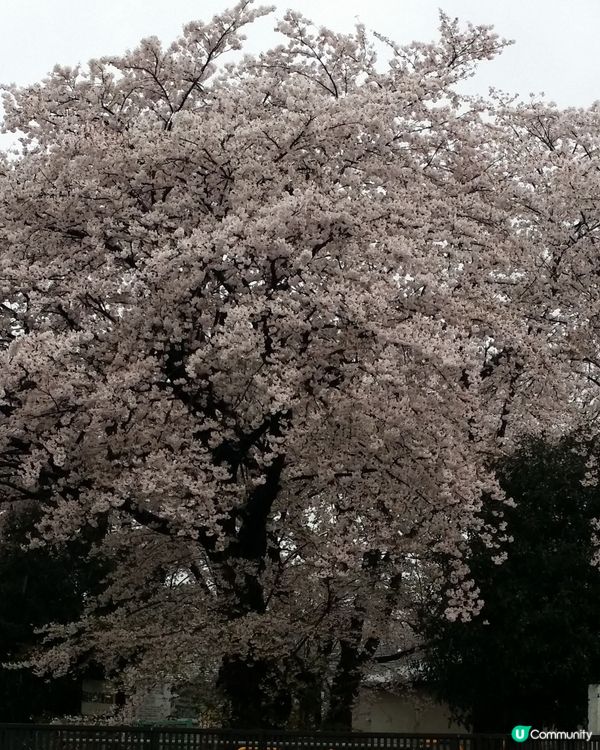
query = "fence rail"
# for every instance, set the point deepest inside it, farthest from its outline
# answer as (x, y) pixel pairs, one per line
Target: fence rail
(71, 737)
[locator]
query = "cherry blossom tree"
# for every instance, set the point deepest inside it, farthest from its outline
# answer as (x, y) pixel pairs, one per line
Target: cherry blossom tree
(552, 156)
(257, 343)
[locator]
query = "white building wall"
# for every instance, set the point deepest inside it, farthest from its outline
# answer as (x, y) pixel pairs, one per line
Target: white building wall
(594, 709)
(380, 711)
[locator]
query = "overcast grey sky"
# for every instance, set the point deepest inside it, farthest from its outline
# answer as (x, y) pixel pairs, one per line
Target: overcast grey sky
(557, 46)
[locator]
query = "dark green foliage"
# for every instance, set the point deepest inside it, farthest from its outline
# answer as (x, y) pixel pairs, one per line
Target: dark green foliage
(37, 587)
(529, 656)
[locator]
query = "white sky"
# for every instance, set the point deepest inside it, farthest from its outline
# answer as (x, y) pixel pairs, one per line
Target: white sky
(557, 49)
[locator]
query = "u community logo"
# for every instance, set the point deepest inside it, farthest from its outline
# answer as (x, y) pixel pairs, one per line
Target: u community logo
(521, 732)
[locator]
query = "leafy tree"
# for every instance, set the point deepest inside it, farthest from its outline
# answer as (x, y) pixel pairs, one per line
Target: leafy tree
(531, 653)
(38, 586)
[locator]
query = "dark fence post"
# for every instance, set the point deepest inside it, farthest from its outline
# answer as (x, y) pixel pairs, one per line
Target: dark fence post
(154, 738)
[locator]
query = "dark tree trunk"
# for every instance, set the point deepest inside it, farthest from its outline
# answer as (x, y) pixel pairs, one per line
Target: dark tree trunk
(254, 689)
(353, 655)
(346, 682)
(344, 688)
(309, 697)
(254, 693)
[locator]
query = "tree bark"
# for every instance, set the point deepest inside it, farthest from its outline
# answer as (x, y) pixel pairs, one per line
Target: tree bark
(344, 688)
(254, 694)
